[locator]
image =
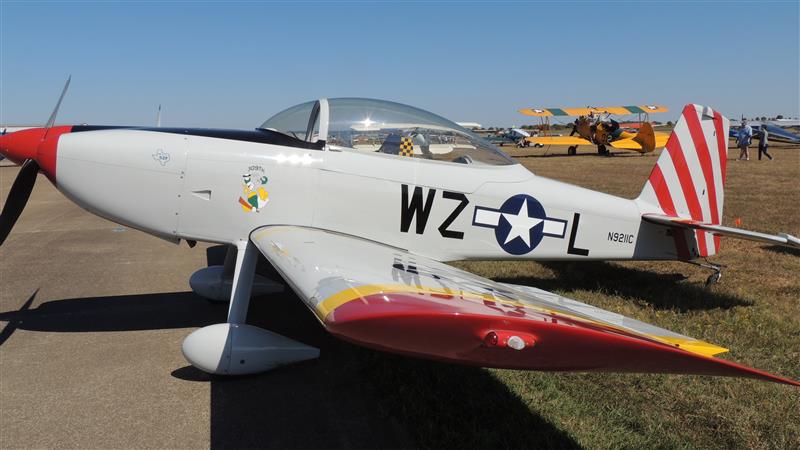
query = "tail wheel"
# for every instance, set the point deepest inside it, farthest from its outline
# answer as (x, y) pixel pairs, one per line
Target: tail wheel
(572, 150)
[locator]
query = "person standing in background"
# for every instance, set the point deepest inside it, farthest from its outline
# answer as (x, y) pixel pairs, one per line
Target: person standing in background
(744, 138)
(763, 142)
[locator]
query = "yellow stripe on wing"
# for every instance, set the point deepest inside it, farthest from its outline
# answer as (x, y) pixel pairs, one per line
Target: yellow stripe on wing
(694, 346)
(326, 306)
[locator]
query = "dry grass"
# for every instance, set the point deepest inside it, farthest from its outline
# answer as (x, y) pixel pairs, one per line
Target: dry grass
(754, 311)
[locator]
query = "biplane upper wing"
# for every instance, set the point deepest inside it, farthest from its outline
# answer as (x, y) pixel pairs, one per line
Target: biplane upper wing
(618, 110)
(388, 299)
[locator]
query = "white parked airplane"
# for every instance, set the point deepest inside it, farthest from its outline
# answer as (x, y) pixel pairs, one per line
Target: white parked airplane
(357, 203)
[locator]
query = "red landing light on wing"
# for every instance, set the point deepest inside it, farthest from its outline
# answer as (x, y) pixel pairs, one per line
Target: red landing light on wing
(509, 339)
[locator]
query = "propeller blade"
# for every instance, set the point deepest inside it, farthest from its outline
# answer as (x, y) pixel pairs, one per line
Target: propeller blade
(52, 118)
(17, 197)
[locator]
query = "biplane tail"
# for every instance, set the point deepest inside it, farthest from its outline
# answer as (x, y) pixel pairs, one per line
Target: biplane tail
(688, 180)
(685, 190)
(646, 138)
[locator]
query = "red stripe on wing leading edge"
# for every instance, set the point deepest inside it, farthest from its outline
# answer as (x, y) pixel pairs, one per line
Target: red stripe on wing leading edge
(722, 144)
(703, 155)
(687, 186)
(662, 191)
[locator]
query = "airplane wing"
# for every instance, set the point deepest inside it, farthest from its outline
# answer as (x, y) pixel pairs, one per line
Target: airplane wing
(618, 110)
(388, 299)
(719, 230)
(558, 140)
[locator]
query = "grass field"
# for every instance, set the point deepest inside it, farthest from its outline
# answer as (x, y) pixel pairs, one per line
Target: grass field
(754, 311)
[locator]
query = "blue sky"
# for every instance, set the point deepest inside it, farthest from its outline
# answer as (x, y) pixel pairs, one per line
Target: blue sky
(235, 64)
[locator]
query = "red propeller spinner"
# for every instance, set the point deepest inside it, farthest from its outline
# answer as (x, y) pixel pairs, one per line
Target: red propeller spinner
(35, 149)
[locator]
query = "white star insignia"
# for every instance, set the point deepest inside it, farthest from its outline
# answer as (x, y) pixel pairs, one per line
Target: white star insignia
(521, 224)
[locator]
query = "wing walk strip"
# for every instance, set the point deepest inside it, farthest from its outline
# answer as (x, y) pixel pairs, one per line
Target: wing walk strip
(327, 306)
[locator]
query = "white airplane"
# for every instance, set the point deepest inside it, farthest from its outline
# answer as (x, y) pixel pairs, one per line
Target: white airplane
(358, 203)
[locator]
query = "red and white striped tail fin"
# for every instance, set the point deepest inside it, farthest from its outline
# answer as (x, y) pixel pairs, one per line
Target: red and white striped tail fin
(688, 179)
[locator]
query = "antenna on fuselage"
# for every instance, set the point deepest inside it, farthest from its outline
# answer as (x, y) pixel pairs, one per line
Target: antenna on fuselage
(158, 117)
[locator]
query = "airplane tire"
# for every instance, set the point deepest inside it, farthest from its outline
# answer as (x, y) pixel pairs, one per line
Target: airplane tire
(572, 150)
(601, 150)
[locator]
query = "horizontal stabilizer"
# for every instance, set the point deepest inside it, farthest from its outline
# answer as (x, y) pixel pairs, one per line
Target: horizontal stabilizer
(719, 230)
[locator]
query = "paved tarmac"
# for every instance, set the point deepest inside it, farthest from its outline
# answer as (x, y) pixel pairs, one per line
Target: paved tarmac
(92, 316)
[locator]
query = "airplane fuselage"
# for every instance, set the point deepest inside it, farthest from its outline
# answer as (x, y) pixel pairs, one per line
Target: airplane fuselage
(218, 186)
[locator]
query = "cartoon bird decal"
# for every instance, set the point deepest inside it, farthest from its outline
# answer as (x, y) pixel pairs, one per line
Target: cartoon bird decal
(254, 197)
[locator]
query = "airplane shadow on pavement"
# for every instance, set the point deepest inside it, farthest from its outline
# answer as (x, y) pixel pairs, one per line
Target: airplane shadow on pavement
(349, 398)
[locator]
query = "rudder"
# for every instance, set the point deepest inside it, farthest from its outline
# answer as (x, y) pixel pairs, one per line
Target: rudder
(646, 137)
(688, 179)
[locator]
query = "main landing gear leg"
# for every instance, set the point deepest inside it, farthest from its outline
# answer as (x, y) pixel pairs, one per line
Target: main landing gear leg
(215, 283)
(235, 348)
(243, 272)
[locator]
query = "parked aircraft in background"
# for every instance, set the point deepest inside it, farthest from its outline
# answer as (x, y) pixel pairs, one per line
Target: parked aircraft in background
(510, 136)
(776, 133)
(594, 126)
(357, 203)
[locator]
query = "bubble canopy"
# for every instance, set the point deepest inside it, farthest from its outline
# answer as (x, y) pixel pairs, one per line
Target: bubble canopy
(383, 127)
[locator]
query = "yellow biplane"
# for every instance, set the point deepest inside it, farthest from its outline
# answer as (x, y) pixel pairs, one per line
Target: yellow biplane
(594, 126)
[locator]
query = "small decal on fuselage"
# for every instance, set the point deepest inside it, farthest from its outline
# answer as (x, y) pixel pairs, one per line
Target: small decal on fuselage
(255, 195)
(520, 224)
(161, 157)
(624, 238)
